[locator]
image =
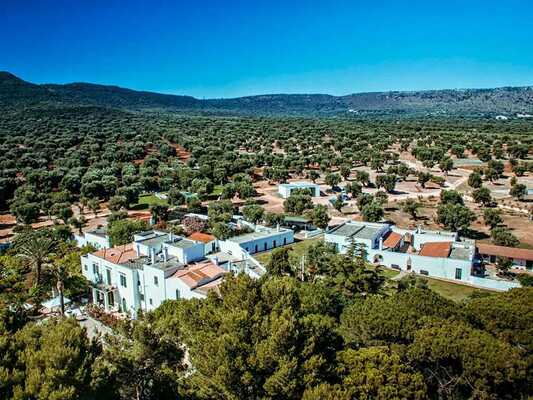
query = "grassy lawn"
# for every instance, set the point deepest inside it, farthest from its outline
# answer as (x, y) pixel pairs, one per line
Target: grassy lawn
(147, 200)
(451, 291)
(389, 273)
(298, 249)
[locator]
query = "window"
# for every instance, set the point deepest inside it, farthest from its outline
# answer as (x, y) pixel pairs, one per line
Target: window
(256, 248)
(274, 244)
(284, 241)
(424, 272)
(95, 268)
(458, 273)
(151, 302)
(141, 296)
(265, 246)
(123, 280)
(85, 267)
(108, 276)
(124, 306)
(156, 281)
(177, 294)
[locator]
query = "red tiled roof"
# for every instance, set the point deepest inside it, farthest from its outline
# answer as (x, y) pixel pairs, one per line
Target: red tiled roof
(392, 240)
(118, 254)
(193, 275)
(213, 285)
(436, 249)
(503, 251)
(201, 237)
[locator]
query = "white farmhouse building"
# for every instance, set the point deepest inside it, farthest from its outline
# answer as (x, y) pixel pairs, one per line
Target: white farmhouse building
(157, 266)
(285, 189)
(97, 238)
(438, 254)
(262, 239)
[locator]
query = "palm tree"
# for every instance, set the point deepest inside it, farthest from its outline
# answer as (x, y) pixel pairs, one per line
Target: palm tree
(36, 247)
(61, 274)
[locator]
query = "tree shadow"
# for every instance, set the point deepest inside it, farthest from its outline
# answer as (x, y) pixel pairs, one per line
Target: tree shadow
(398, 192)
(475, 234)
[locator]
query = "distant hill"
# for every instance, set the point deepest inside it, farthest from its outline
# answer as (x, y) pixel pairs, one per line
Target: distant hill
(15, 92)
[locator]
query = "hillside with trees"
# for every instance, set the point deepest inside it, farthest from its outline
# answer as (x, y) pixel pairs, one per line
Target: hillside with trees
(468, 102)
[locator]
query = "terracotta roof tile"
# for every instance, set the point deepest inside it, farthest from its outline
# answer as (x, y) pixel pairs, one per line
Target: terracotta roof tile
(503, 251)
(201, 237)
(194, 274)
(392, 240)
(118, 254)
(436, 249)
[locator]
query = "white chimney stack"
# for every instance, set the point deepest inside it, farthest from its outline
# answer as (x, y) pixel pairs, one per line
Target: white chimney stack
(152, 254)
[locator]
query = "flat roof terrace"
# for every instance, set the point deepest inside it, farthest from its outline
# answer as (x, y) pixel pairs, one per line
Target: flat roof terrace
(357, 230)
(247, 237)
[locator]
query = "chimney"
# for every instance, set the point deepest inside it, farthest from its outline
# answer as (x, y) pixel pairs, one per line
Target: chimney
(152, 255)
(165, 254)
(171, 236)
(138, 250)
(277, 227)
(381, 243)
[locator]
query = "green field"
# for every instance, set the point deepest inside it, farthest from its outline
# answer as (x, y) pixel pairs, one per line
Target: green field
(147, 200)
(452, 291)
(389, 273)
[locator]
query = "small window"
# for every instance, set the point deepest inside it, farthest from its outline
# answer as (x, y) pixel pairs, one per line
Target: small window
(256, 248)
(458, 273)
(284, 241)
(274, 244)
(85, 267)
(123, 280)
(156, 281)
(177, 294)
(95, 268)
(151, 302)
(141, 296)
(108, 276)
(124, 305)
(265, 246)
(424, 272)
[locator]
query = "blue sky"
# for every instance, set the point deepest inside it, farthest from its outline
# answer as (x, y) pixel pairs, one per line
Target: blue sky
(232, 48)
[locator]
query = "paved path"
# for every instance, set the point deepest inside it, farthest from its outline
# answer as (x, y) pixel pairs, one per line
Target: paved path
(400, 275)
(95, 328)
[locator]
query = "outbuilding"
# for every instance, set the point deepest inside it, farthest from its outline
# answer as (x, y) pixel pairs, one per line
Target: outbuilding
(285, 189)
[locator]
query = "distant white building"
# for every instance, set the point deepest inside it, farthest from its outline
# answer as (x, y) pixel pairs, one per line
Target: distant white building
(285, 189)
(157, 266)
(97, 238)
(437, 254)
(262, 239)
